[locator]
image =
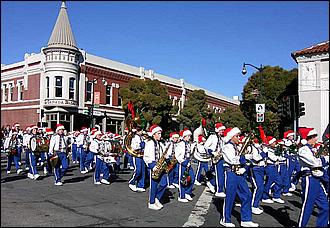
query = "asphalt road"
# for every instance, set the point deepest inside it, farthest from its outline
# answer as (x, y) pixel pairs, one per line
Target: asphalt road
(26, 202)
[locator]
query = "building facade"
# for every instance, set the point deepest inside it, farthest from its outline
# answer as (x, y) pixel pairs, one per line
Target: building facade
(60, 83)
(313, 86)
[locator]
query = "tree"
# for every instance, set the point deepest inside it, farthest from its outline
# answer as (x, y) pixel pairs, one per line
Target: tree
(150, 98)
(274, 82)
(233, 117)
(194, 109)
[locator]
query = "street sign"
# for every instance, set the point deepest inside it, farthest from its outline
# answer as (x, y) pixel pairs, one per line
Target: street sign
(260, 117)
(97, 113)
(260, 108)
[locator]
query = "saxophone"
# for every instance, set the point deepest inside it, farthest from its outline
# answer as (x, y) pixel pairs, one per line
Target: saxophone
(12, 145)
(161, 165)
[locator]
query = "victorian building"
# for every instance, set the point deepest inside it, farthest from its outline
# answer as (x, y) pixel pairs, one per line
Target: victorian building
(313, 86)
(60, 83)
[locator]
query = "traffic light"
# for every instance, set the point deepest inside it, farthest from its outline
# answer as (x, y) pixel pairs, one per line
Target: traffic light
(90, 111)
(280, 110)
(286, 107)
(301, 109)
(42, 113)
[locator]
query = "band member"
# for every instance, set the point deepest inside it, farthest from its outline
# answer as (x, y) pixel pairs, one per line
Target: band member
(58, 147)
(313, 192)
(186, 172)
(258, 172)
(136, 183)
(26, 138)
(98, 148)
(214, 144)
(272, 174)
(152, 153)
(293, 166)
(75, 155)
(201, 165)
(33, 171)
(11, 147)
(47, 165)
(235, 182)
(83, 142)
(16, 128)
(173, 175)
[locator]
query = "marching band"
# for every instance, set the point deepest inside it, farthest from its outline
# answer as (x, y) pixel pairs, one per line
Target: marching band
(231, 161)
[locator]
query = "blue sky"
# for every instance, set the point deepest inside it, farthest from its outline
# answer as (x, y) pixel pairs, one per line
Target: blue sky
(205, 43)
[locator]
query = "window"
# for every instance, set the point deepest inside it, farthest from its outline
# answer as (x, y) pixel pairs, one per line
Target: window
(89, 91)
(4, 93)
(58, 86)
(11, 91)
(108, 95)
(119, 101)
(47, 87)
(20, 91)
(71, 88)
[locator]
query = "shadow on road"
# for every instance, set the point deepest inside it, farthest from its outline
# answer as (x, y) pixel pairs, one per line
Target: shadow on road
(12, 178)
(76, 179)
(281, 215)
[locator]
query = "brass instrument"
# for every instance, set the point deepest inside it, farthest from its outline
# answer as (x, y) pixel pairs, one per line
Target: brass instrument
(246, 143)
(42, 145)
(128, 139)
(217, 157)
(12, 145)
(323, 150)
(161, 165)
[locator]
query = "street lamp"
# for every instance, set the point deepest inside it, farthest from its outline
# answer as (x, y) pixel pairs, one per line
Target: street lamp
(260, 69)
(94, 81)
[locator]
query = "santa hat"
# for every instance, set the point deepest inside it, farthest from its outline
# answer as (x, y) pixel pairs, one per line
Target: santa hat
(16, 125)
(116, 136)
(280, 141)
(49, 131)
(28, 128)
(201, 139)
(219, 126)
(271, 139)
(126, 129)
(97, 133)
(306, 132)
(33, 127)
(59, 127)
(186, 132)
(93, 130)
(174, 135)
(83, 129)
(230, 132)
(242, 139)
(288, 134)
(153, 129)
(105, 137)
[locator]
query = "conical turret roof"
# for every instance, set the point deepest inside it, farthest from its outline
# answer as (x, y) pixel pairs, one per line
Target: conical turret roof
(62, 36)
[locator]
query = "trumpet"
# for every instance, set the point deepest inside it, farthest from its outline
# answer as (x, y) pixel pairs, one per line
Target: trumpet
(246, 143)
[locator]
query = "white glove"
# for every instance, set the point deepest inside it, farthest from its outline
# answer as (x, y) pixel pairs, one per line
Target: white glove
(248, 156)
(317, 173)
(288, 143)
(154, 168)
(240, 171)
(326, 159)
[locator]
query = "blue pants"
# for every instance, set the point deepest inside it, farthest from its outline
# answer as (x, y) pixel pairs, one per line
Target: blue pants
(219, 176)
(183, 190)
(82, 154)
(176, 174)
(12, 158)
(157, 187)
(258, 174)
(282, 170)
(62, 161)
(201, 166)
(106, 167)
(74, 152)
(27, 159)
(138, 173)
(272, 178)
(313, 193)
(236, 184)
(19, 153)
(33, 163)
(292, 165)
(130, 160)
(98, 169)
(89, 161)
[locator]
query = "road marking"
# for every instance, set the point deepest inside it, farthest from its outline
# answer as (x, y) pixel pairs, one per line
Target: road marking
(201, 208)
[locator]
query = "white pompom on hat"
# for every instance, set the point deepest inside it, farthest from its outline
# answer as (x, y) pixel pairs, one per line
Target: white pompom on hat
(230, 132)
(59, 127)
(219, 126)
(153, 129)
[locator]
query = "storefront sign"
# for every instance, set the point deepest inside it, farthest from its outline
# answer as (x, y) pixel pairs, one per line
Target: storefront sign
(56, 102)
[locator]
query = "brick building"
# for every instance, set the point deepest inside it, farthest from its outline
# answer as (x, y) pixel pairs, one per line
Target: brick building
(58, 85)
